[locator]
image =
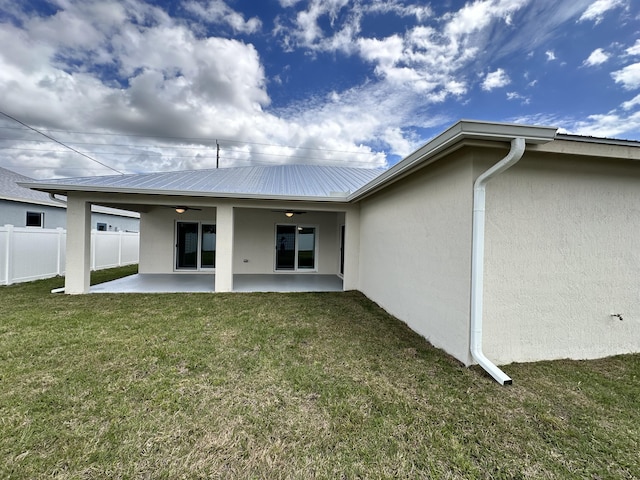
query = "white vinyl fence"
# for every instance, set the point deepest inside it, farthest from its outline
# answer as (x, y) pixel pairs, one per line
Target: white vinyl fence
(32, 253)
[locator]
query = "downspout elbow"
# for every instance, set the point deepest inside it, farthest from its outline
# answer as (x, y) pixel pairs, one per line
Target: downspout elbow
(477, 259)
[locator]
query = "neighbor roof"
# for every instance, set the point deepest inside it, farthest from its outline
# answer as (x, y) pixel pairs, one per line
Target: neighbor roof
(284, 181)
(10, 190)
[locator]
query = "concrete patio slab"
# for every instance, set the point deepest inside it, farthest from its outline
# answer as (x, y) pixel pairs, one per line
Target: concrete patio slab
(157, 283)
(193, 282)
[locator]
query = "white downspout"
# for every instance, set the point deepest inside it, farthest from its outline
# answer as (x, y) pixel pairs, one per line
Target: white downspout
(477, 258)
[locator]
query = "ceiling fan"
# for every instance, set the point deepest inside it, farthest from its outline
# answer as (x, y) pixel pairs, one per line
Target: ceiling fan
(181, 209)
(289, 213)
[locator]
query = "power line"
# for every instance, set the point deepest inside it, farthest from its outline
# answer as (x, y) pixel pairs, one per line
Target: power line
(60, 143)
(195, 139)
(165, 155)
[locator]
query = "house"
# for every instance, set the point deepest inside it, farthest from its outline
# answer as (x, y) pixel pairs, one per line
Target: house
(496, 242)
(23, 207)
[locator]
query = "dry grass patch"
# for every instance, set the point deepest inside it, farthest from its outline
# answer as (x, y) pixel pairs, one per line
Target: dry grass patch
(286, 386)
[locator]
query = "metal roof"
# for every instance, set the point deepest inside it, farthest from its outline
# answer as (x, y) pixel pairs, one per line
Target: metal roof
(296, 181)
(10, 190)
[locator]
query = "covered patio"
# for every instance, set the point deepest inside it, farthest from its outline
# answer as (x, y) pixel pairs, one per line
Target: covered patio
(284, 228)
(194, 283)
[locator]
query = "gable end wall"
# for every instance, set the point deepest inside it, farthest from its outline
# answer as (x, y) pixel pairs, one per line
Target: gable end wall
(415, 251)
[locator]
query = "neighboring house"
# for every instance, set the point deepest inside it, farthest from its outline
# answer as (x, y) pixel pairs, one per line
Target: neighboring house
(23, 207)
(544, 264)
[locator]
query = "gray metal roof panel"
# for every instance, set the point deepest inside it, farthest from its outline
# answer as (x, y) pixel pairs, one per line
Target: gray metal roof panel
(278, 181)
(10, 190)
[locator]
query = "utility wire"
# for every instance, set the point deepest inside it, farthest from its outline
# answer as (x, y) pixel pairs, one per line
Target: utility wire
(60, 143)
(168, 155)
(198, 139)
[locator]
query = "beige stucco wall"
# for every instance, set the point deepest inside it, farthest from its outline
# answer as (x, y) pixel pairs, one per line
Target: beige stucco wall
(157, 236)
(562, 254)
(415, 251)
(255, 239)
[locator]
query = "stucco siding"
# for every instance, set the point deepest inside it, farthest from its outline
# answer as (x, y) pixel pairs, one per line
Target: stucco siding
(157, 236)
(255, 239)
(415, 252)
(562, 254)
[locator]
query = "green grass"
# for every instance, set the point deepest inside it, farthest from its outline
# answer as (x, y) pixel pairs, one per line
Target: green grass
(285, 386)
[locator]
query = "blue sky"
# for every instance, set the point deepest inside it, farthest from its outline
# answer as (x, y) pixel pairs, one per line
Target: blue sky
(150, 86)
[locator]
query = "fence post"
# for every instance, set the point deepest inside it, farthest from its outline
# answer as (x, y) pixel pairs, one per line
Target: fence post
(8, 255)
(60, 246)
(93, 249)
(120, 233)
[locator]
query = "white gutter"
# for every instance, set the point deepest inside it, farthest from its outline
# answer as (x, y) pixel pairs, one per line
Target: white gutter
(477, 258)
(52, 196)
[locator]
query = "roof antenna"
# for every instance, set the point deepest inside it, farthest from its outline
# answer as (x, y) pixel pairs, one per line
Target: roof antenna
(217, 153)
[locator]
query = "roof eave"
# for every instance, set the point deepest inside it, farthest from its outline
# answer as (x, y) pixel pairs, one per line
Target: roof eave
(31, 201)
(65, 189)
(598, 140)
(460, 131)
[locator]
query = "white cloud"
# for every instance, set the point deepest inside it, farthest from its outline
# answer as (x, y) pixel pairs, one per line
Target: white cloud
(288, 3)
(128, 68)
(218, 12)
(343, 18)
(609, 125)
(385, 53)
(169, 82)
(635, 49)
(550, 55)
(597, 57)
(497, 79)
(479, 14)
(400, 144)
(630, 104)
(524, 100)
(597, 10)
(629, 76)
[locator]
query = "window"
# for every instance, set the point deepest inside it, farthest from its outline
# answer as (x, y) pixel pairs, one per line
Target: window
(35, 219)
(295, 247)
(102, 227)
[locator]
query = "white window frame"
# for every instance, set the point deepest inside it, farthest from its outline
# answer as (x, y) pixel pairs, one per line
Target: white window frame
(40, 214)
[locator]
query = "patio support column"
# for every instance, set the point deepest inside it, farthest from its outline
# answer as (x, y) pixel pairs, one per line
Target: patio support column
(351, 277)
(224, 248)
(78, 254)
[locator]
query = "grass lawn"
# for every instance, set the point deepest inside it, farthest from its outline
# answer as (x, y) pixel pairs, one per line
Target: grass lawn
(318, 385)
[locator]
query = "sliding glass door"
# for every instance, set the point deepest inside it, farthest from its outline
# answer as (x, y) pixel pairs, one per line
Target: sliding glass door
(195, 246)
(295, 248)
(208, 246)
(187, 245)
(286, 247)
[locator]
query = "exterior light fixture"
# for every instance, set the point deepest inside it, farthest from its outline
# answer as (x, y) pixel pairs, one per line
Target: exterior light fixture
(288, 214)
(181, 209)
